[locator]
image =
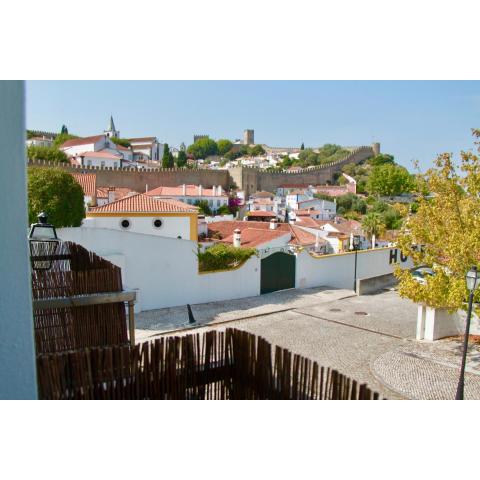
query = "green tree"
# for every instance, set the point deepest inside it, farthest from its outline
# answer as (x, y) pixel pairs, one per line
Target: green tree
(120, 141)
(181, 159)
(444, 233)
(55, 192)
(372, 224)
(302, 146)
(223, 210)
(203, 207)
(64, 130)
(389, 180)
(381, 159)
(255, 151)
(223, 146)
(48, 154)
(167, 159)
(202, 148)
(351, 202)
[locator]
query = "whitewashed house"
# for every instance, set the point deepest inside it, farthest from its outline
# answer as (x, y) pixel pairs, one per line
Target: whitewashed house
(143, 214)
(191, 194)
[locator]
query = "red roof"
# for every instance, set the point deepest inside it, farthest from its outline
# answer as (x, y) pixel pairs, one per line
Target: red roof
(261, 213)
(82, 141)
(119, 192)
(190, 191)
(254, 237)
(121, 147)
(100, 154)
(87, 181)
(263, 194)
(225, 230)
(143, 203)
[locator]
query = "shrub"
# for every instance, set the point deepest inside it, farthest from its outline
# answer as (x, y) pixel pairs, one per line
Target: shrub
(223, 257)
(56, 193)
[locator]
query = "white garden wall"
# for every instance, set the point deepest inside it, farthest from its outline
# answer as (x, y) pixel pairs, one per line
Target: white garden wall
(165, 270)
(338, 270)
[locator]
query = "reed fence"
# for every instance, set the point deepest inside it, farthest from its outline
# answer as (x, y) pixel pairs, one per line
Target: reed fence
(233, 365)
(75, 271)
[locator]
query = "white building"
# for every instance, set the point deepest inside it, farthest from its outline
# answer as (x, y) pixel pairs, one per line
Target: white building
(143, 214)
(146, 150)
(39, 142)
(191, 194)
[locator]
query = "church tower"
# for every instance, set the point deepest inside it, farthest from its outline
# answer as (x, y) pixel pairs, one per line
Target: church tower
(111, 132)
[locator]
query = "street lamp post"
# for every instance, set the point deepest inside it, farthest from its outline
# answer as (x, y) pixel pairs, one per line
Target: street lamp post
(473, 280)
(43, 243)
(355, 244)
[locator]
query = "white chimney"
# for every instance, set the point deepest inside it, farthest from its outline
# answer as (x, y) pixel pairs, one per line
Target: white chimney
(200, 190)
(184, 190)
(273, 224)
(237, 238)
(219, 190)
(146, 188)
(111, 194)
(317, 242)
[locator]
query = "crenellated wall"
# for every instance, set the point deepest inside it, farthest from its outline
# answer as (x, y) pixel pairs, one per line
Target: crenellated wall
(244, 178)
(138, 179)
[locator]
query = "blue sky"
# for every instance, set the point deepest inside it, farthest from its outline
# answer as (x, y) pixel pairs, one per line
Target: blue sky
(411, 119)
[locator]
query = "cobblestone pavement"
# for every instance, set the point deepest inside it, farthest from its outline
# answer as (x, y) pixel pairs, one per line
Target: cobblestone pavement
(151, 322)
(369, 338)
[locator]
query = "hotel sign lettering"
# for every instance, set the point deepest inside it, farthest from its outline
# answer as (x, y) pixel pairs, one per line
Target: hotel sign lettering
(395, 254)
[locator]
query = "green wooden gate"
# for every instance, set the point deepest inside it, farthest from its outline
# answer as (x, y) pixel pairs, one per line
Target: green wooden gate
(277, 272)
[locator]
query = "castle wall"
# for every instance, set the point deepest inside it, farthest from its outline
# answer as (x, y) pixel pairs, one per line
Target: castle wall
(138, 179)
(244, 178)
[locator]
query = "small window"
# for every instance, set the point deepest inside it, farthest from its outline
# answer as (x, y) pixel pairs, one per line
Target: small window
(157, 223)
(125, 224)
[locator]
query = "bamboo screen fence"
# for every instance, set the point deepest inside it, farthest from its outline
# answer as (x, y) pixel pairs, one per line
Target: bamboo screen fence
(233, 365)
(76, 271)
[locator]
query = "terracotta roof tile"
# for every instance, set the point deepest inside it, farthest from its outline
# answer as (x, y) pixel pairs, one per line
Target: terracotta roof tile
(100, 154)
(261, 213)
(141, 139)
(143, 203)
(82, 141)
(119, 192)
(254, 237)
(87, 181)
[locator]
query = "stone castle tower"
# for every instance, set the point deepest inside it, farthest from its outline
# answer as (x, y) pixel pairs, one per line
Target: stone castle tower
(248, 137)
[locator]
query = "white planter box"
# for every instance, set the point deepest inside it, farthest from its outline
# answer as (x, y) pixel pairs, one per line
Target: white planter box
(436, 323)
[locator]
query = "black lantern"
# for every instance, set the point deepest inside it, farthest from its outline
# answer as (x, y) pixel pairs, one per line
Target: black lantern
(356, 242)
(43, 243)
(472, 279)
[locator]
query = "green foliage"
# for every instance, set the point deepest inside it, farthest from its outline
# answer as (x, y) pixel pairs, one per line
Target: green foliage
(447, 229)
(255, 151)
(203, 207)
(62, 138)
(64, 130)
(49, 154)
(223, 210)
(181, 159)
(351, 202)
(326, 154)
(202, 148)
(372, 224)
(302, 146)
(167, 159)
(223, 257)
(56, 193)
(223, 146)
(381, 159)
(389, 180)
(120, 141)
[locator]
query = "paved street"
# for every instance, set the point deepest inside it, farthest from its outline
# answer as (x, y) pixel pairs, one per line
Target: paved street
(369, 338)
